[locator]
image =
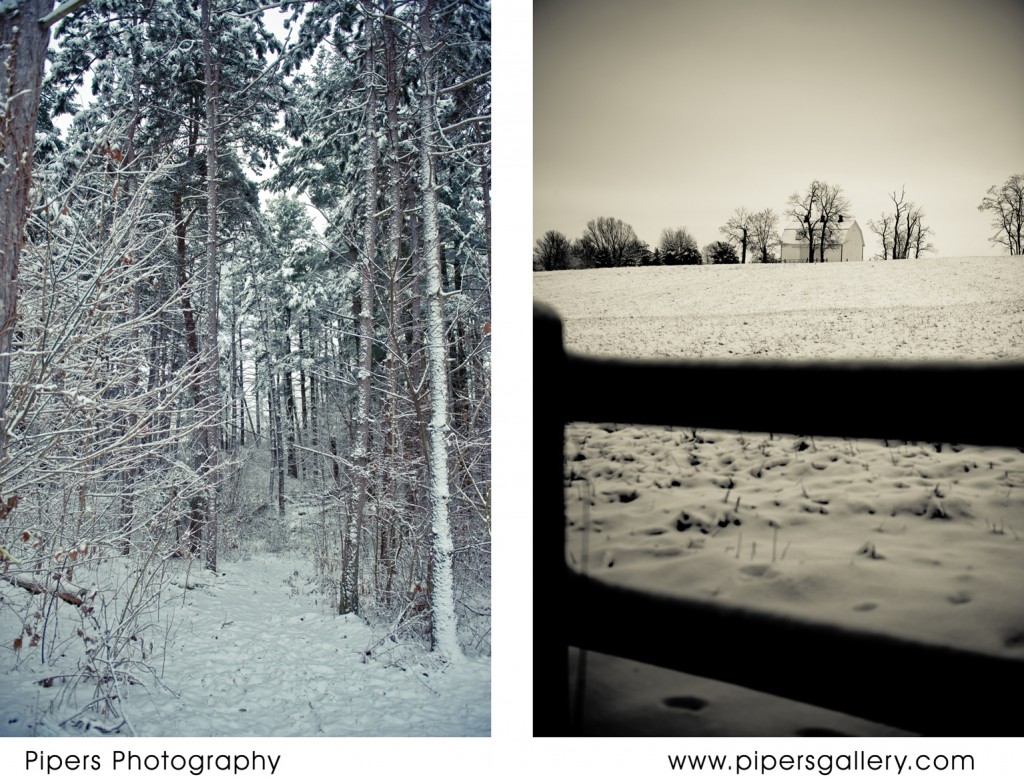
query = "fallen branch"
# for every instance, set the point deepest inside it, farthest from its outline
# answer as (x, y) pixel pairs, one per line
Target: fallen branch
(35, 588)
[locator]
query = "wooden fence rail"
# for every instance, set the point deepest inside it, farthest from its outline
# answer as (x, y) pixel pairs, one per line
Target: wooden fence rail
(928, 689)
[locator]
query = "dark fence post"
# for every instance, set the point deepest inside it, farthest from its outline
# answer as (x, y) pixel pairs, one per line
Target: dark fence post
(550, 637)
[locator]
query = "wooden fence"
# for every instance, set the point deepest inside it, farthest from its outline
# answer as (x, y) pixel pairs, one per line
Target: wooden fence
(923, 688)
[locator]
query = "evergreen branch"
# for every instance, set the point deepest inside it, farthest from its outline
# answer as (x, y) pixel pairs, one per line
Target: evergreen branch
(463, 123)
(467, 83)
(272, 6)
(60, 12)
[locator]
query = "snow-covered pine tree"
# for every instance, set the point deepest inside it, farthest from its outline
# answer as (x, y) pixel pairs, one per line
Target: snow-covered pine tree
(360, 159)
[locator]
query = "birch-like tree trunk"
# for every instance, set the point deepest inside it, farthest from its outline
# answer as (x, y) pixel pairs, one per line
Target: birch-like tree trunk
(442, 587)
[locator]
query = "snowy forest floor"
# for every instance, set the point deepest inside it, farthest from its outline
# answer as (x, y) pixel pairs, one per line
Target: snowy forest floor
(254, 649)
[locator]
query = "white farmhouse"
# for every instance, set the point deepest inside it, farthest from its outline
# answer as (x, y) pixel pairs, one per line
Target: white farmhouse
(849, 238)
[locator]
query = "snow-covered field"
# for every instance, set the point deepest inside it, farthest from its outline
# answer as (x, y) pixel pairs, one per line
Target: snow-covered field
(934, 308)
(918, 539)
(253, 650)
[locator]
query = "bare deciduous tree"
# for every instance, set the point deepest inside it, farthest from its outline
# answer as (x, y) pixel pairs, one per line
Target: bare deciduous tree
(552, 252)
(764, 233)
(804, 209)
(758, 230)
(903, 229)
(919, 240)
(833, 205)
(1006, 203)
(737, 230)
(818, 211)
(96, 416)
(607, 242)
(900, 232)
(882, 227)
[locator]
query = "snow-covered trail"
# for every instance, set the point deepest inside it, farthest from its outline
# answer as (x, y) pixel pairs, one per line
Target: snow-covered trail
(251, 653)
(255, 656)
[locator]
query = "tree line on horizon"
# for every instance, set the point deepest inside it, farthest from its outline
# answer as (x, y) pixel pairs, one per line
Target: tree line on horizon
(902, 232)
(608, 242)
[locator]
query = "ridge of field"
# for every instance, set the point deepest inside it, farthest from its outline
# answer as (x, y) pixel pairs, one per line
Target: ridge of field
(965, 307)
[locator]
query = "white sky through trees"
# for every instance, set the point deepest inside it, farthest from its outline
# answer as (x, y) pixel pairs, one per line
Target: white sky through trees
(666, 113)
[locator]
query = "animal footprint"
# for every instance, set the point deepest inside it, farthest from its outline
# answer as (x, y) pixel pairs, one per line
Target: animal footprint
(868, 549)
(685, 520)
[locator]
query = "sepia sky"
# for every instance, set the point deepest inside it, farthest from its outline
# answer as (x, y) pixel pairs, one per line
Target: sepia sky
(668, 113)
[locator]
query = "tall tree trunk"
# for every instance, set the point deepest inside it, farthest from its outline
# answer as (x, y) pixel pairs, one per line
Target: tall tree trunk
(258, 427)
(243, 406)
(211, 353)
(193, 361)
(233, 378)
(314, 421)
(442, 586)
(290, 417)
(23, 43)
(360, 455)
(395, 488)
(278, 434)
(303, 400)
(276, 485)
(485, 194)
